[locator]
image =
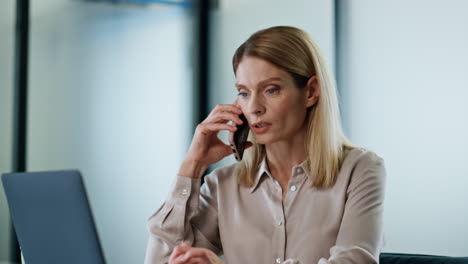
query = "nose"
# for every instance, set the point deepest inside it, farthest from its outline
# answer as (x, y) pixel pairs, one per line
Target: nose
(255, 105)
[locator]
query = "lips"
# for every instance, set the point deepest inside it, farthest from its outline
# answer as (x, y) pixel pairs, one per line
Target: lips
(260, 127)
(261, 124)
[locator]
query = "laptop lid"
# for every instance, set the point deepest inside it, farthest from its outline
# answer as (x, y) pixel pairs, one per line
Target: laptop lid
(52, 218)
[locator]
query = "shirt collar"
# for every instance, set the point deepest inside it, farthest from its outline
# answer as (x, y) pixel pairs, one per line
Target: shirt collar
(263, 170)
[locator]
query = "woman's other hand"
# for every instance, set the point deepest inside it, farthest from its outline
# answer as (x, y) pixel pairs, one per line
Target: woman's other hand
(206, 147)
(185, 254)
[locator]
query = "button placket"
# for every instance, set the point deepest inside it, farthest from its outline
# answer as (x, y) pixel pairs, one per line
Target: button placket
(294, 180)
(279, 228)
(300, 184)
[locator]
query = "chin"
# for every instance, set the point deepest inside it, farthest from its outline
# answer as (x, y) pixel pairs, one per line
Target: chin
(264, 139)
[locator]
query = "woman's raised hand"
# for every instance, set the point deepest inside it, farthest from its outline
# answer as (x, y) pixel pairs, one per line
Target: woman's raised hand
(206, 147)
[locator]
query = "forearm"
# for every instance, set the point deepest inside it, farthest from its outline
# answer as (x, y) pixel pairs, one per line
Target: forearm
(192, 169)
(169, 224)
(189, 214)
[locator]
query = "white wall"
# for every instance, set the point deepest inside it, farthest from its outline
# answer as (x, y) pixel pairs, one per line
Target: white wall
(110, 94)
(7, 27)
(404, 86)
(235, 20)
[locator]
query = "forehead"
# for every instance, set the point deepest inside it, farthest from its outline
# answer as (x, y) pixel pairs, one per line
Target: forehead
(253, 70)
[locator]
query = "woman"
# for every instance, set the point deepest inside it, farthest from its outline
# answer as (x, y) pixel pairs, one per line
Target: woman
(302, 193)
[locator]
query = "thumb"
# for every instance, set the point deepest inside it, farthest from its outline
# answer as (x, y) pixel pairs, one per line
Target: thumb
(226, 150)
(248, 144)
(185, 245)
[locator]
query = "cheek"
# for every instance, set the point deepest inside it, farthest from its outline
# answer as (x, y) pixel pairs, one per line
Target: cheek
(243, 108)
(295, 115)
(285, 109)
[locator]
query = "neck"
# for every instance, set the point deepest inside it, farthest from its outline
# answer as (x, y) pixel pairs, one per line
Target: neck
(284, 155)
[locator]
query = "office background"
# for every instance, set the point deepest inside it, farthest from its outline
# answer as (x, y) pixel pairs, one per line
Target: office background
(112, 88)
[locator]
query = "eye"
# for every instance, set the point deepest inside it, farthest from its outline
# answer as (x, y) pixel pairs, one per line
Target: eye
(242, 94)
(273, 90)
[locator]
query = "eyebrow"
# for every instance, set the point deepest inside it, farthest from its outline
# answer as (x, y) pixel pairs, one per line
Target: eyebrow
(239, 86)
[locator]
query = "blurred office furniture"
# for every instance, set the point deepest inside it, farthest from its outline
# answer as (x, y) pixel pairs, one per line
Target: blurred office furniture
(397, 258)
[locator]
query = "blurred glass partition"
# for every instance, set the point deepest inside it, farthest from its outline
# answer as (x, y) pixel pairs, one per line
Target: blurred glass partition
(7, 33)
(404, 86)
(110, 95)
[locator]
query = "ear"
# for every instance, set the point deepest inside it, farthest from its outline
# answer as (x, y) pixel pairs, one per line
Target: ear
(312, 91)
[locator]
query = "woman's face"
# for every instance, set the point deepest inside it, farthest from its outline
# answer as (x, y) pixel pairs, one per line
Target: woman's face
(274, 107)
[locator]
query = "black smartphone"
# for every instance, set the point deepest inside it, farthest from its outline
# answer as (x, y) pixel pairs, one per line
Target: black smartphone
(238, 138)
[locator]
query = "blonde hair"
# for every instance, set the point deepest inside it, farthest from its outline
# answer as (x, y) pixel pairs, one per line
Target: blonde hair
(292, 50)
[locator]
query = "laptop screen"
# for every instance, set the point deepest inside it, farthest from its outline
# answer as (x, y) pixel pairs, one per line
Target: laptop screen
(52, 218)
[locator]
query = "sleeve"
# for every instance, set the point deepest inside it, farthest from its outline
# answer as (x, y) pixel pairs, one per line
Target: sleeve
(179, 220)
(360, 237)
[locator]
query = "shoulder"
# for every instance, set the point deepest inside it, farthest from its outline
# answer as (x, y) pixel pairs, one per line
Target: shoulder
(363, 165)
(361, 157)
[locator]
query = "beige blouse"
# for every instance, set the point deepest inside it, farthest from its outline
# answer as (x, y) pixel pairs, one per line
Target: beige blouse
(341, 224)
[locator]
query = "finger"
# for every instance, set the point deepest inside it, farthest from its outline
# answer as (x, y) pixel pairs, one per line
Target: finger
(196, 253)
(224, 117)
(179, 260)
(227, 108)
(185, 245)
(179, 250)
(182, 259)
(226, 151)
(197, 260)
(215, 127)
(202, 256)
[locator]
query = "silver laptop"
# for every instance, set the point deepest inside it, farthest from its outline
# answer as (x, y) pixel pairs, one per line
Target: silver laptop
(52, 218)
